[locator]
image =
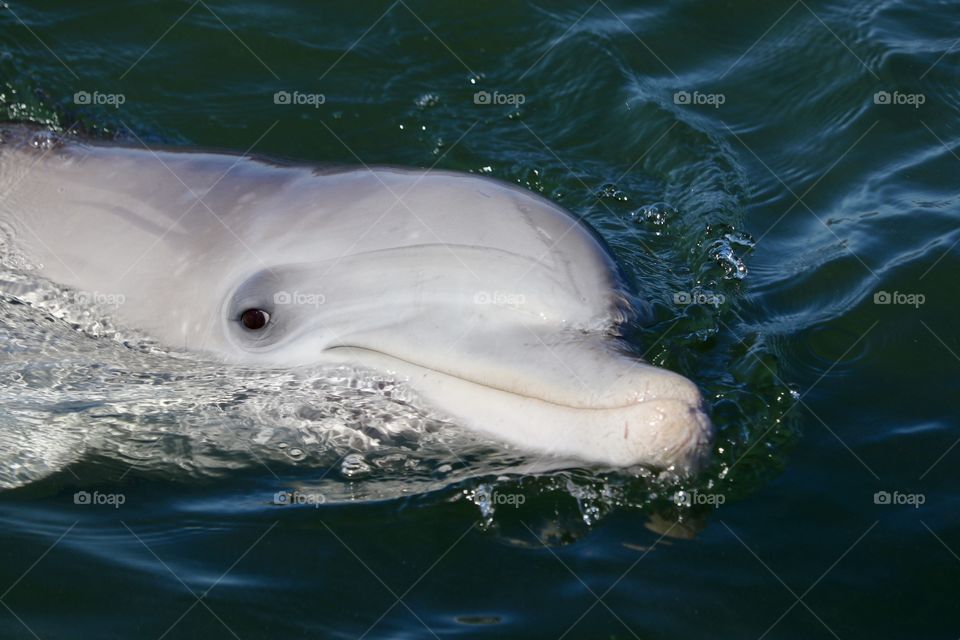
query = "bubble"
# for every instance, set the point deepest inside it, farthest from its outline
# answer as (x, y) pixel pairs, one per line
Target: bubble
(45, 140)
(354, 466)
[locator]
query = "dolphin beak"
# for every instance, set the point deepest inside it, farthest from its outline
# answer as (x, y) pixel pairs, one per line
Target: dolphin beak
(576, 398)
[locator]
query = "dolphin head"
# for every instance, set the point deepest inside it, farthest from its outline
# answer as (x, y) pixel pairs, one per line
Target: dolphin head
(498, 307)
(513, 334)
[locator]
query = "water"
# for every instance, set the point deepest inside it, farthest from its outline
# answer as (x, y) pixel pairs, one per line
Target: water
(765, 172)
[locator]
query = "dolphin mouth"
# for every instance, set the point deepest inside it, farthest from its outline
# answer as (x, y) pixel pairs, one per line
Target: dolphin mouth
(629, 413)
(365, 353)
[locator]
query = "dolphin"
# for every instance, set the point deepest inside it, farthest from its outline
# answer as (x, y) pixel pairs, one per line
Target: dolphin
(498, 308)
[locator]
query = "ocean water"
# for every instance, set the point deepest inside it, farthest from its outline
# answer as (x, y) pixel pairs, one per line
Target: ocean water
(779, 180)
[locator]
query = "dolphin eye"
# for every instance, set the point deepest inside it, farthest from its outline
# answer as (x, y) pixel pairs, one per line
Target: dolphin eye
(254, 319)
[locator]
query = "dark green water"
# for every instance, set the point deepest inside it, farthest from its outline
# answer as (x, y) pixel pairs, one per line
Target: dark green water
(780, 179)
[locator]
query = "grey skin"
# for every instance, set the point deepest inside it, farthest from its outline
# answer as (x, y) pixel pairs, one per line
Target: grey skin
(498, 308)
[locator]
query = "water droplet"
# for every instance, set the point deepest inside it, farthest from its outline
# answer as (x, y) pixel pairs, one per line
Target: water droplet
(354, 466)
(45, 140)
(722, 251)
(610, 191)
(658, 213)
(427, 100)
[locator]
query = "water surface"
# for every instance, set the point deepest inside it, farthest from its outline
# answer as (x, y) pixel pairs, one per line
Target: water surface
(778, 179)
